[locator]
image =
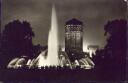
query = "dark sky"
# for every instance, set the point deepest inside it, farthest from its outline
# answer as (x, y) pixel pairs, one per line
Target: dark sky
(93, 13)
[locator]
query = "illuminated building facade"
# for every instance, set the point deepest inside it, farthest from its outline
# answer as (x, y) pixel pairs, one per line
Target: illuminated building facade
(74, 38)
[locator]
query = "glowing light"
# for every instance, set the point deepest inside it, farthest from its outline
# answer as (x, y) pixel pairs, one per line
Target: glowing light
(125, 0)
(85, 44)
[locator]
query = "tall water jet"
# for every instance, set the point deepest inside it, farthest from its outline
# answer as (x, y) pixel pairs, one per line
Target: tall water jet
(53, 40)
(52, 55)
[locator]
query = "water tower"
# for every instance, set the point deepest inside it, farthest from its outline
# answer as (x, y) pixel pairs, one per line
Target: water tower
(74, 38)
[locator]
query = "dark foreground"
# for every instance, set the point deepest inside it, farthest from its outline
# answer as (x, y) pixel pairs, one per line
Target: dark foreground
(60, 75)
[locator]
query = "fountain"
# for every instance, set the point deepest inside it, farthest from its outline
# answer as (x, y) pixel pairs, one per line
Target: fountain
(53, 39)
(48, 57)
(52, 56)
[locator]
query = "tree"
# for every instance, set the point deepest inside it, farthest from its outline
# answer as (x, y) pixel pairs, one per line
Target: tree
(16, 41)
(116, 43)
(113, 56)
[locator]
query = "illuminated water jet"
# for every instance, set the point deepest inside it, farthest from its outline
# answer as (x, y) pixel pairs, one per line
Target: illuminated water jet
(52, 56)
(53, 39)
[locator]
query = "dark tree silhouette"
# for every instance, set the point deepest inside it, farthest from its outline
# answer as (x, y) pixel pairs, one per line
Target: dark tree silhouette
(116, 43)
(16, 41)
(113, 57)
(99, 58)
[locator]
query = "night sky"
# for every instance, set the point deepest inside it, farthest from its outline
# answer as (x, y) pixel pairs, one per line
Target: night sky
(93, 13)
